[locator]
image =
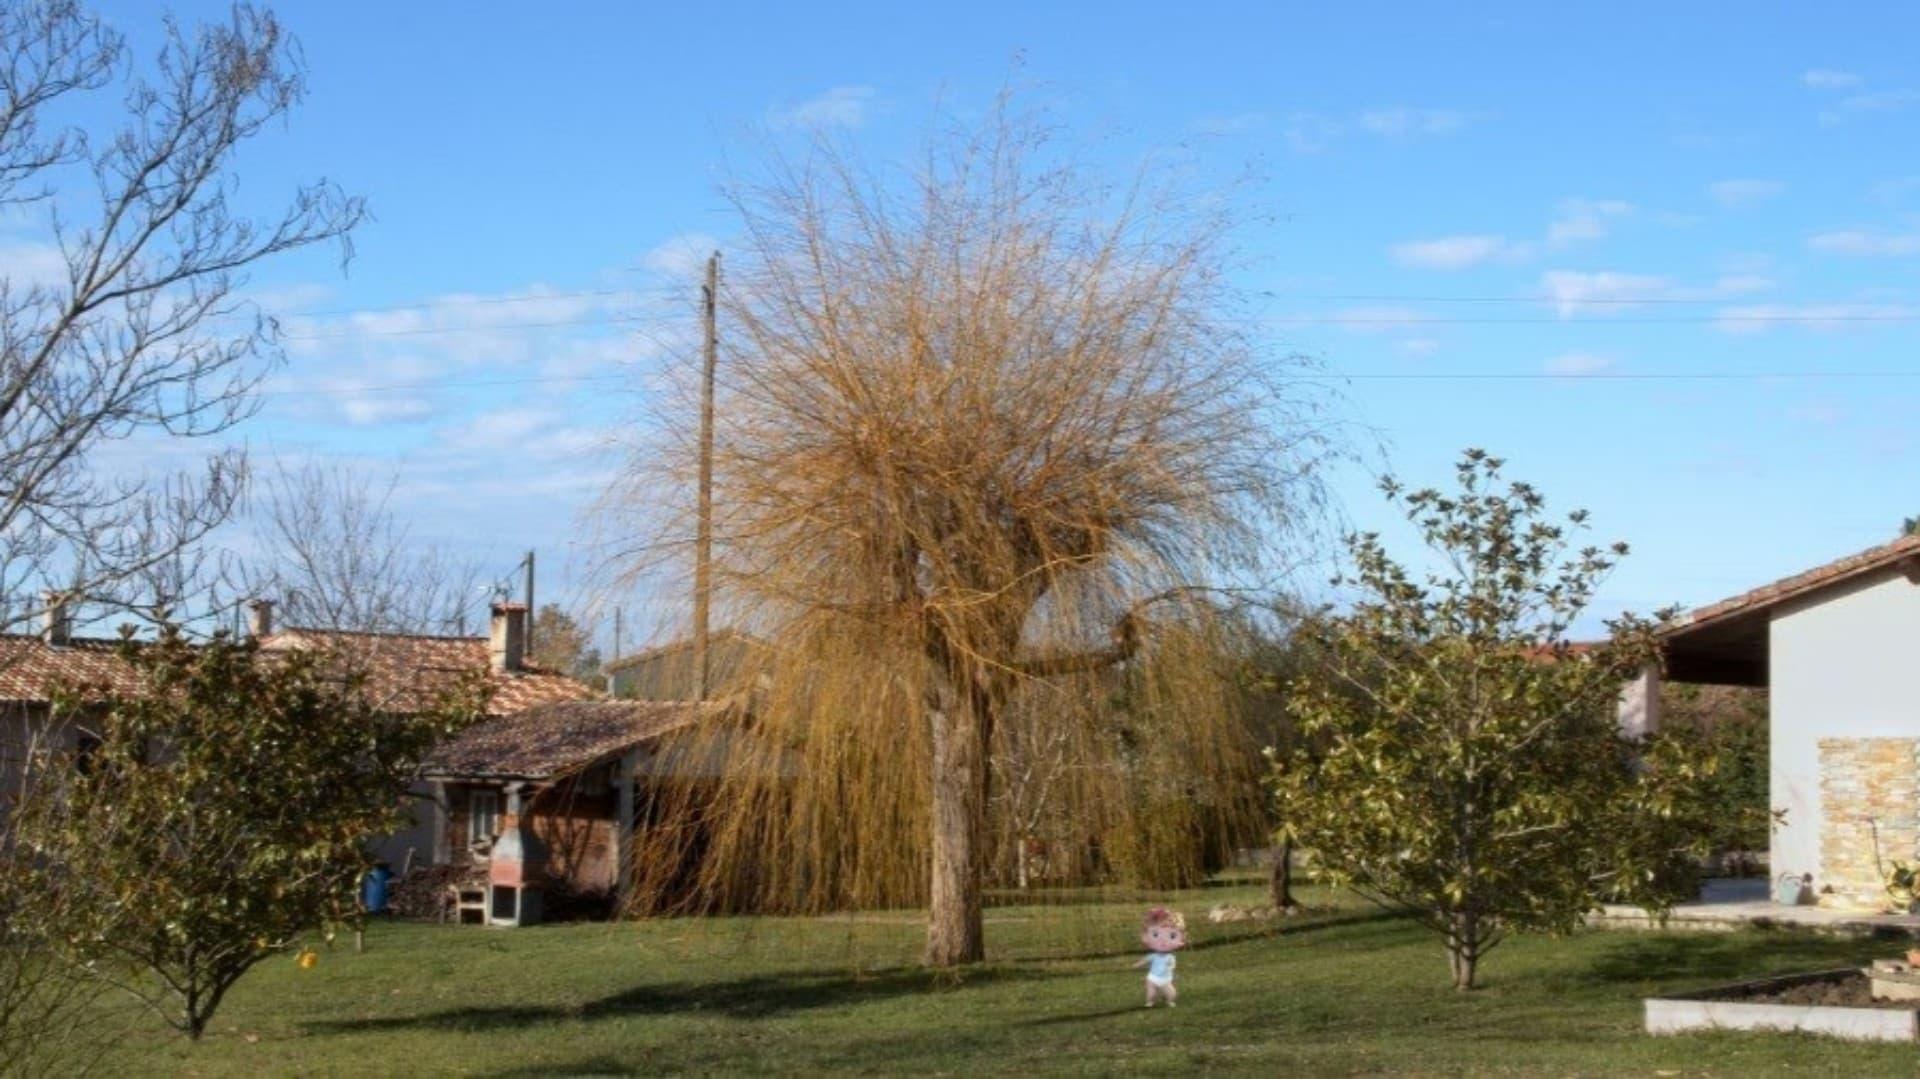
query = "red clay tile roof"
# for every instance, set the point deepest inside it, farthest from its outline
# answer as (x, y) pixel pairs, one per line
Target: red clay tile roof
(407, 672)
(550, 740)
(29, 667)
(1867, 561)
(404, 673)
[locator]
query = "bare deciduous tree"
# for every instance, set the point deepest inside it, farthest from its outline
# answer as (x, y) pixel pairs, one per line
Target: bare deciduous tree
(137, 326)
(335, 557)
(974, 432)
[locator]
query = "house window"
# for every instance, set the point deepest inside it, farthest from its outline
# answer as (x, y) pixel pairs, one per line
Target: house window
(483, 816)
(86, 752)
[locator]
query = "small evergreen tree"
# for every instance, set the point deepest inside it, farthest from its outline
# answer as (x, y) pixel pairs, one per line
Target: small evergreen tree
(224, 815)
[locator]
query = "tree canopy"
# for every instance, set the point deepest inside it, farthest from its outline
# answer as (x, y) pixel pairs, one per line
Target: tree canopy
(1460, 756)
(221, 813)
(984, 429)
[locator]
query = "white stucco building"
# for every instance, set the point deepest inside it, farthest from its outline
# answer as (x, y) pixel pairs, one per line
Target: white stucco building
(1835, 647)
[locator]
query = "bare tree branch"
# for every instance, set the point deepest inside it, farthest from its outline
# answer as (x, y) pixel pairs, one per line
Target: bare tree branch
(335, 557)
(144, 333)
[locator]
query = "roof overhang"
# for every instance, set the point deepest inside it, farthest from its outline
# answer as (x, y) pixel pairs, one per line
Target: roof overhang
(1725, 643)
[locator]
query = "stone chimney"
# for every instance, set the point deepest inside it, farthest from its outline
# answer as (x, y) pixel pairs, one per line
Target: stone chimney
(56, 621)
(507, 643)
(259, 618)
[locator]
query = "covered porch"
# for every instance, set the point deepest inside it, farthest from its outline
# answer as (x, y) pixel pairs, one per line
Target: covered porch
(1832, 647)
(555, 789)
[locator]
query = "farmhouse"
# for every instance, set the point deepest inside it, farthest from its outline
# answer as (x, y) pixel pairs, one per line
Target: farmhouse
(404, 673)
(1834, 648)
(564, 780)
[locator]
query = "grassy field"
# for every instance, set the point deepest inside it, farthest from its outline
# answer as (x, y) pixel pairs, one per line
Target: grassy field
(1341, 991)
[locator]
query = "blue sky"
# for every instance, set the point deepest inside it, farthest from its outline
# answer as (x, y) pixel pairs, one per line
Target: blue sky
(1699, 223)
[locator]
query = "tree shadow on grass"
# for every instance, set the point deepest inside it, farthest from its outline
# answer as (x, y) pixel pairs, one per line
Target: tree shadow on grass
(1081, 1017)
(594, 1065)
(1679, 958)
(1268, 930)
(1109, 895)
(757, 997)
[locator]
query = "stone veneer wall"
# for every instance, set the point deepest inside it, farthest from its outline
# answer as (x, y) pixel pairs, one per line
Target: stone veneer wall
(1869, 788)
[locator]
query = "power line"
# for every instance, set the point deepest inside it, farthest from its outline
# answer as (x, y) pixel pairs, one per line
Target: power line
(484, 301)
(489, 328)
(1268, 320)
(1607, 376)
(1271, 320)
(390, 387)
(1359, 376)
(1356, 297)
(1374, 297)
(1422, 320)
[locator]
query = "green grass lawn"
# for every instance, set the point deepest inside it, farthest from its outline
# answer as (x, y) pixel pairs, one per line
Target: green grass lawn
(1340, 991)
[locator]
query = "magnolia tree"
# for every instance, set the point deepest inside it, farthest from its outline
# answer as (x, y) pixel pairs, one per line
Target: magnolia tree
(1459, 757)
(223, 815)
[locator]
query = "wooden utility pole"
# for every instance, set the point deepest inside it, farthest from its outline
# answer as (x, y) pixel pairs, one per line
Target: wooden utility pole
(528, 638)
(613, 679)
(703, 537)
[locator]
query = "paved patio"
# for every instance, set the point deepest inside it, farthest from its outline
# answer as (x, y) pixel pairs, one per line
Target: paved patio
(1729, 904)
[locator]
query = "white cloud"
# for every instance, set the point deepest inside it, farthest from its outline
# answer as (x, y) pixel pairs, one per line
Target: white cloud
(1821, 78)
(1741, 284)
(356, 401)
(1755, 318)
(28, 263)
(1458, 252)
(680, 256)
(1308, 132)
(1607, 291)
(375, 409)
(1584, 219)
(1574, 291)
(500, 429)
(1397, 121)
(1419, 346)
(1238, 123)
(524, 432)
(290, 299)
(1577, 363)
(1377, 319)
(1861, 243)
(1877, 101)
(1742, 194)
(1894, 189)
(842, 106)
(459, 330)
(360, 371)
(1748, 262)
(1817, 411)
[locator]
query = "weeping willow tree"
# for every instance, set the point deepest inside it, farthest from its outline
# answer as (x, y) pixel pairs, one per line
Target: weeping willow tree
(990, 443)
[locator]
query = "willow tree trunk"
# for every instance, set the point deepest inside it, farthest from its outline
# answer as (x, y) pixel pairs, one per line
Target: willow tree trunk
(1280, 880)
(961, 729)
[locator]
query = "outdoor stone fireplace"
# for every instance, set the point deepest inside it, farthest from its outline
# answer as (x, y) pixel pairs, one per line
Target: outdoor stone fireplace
(1870, 800)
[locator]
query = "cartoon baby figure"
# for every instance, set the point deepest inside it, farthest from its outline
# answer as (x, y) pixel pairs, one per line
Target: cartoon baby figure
(1164, 933)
